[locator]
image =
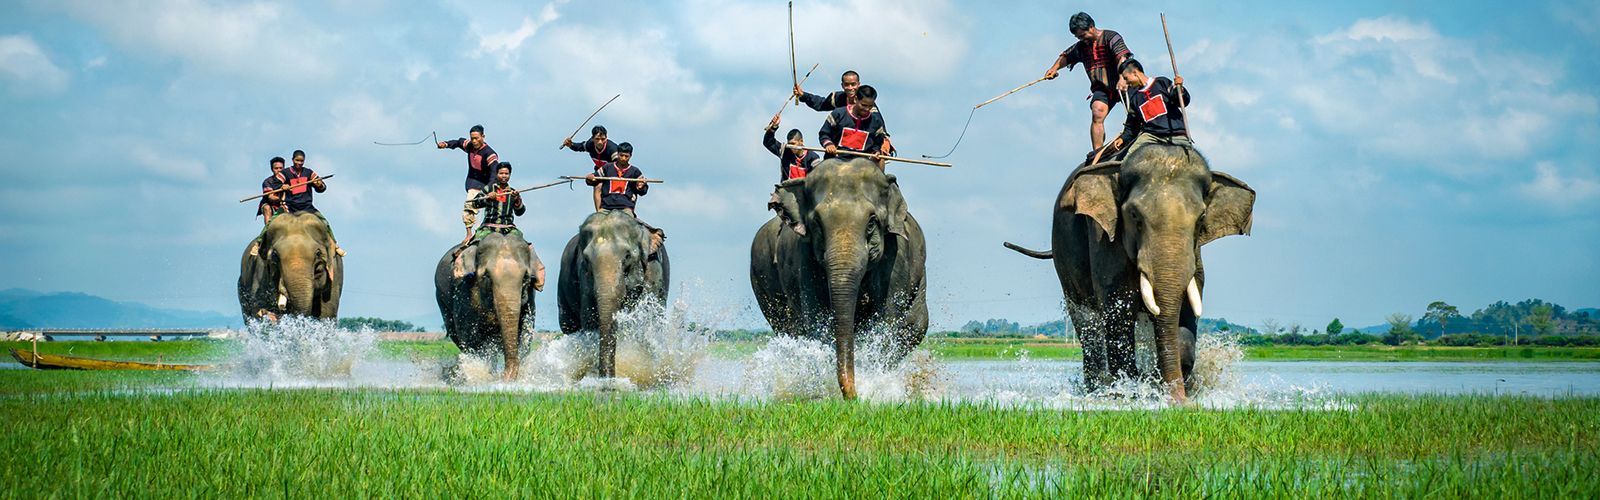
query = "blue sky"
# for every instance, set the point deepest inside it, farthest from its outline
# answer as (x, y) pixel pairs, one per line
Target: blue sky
(1403, 153)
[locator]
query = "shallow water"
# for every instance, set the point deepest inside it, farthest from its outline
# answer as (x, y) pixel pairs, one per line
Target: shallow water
(665, 349)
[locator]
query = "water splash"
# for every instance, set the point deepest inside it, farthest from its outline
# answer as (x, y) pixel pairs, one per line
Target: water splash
(308, 352)
(789, 368)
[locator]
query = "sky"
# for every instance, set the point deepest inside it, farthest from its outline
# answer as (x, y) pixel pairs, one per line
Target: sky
(1402, 152)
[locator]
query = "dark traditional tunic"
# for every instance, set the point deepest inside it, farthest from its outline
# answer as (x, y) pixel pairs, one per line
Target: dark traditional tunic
(298, 197)
(481, 163)
(1100, 61)
(599, 155)
(616, 195)
(844, 130)
(1154, 110)
(791, 164)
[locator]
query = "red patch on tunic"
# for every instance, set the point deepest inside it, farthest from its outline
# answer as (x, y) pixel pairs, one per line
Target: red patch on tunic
(1153, 108)
(853, 139)
(617, 187)
(297, 186)
(796, 171)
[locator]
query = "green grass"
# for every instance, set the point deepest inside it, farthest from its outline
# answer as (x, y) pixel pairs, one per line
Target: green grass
(962, 348)
(176, 351)
(426, 443)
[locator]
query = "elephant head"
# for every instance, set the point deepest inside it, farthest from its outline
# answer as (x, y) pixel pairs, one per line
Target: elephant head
(501, 291)
(294, 269)
(853, 216)
(613, 256)
(1162, 204)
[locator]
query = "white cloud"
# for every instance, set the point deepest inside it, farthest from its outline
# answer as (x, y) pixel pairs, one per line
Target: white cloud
(1555, 188)
(253, 39)
(167, 165)
(1395, 87)
(357, 119)
(415, 70)
(1383, 29)
(690, 201)
(505, 46)
(901, 41)
(642, 65)
(26, 70)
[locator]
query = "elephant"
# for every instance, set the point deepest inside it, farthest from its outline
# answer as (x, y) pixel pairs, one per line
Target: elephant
(291, 268)
(490, 306)
(1128, 233)
(608, 267)
(844, 255)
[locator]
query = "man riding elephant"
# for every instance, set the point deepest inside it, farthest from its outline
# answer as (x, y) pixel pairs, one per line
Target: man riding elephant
(501, 204)
(623, 195)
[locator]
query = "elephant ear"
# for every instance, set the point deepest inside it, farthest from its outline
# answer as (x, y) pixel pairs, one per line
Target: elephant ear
(1230, 208)
(787, 203)
(1092, 191)
(895, 212)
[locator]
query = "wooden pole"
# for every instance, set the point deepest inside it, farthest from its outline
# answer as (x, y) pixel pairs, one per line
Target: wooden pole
(1174, 59)
(794, 73)
(282, 189)
(629, 179)
(875, 156)
(1012, 91)
(541, 186)
(796, 98)
(586, 121)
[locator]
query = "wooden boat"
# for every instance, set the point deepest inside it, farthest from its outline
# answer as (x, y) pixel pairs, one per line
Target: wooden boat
(59, 362)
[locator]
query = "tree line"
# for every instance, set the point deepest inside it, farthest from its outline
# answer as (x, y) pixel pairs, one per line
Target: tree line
(1529, 322)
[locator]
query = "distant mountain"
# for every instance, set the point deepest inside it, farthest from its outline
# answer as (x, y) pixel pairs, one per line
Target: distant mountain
(29, 309)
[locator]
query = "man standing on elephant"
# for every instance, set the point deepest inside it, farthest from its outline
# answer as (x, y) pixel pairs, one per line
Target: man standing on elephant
(623, 195)
(1100, 52)
(501, 204)
(849, 82)
(1157, 115)
(601, 151)
(301, 181)
(481, 161)
(857, 127)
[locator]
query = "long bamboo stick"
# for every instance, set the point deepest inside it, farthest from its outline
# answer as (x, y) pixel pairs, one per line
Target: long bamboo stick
(629, 179)
(1012, 91)
(282, 189)
(875, 156)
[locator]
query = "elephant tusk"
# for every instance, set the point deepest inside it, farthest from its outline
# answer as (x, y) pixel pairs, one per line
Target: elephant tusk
(1149, 295)
(1194, 296)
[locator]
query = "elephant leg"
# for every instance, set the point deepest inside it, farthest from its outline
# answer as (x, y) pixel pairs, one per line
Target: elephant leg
(1090, 330)
(1120, 318)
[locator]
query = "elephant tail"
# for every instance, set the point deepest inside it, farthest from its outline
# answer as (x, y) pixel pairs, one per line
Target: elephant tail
(1031, 253)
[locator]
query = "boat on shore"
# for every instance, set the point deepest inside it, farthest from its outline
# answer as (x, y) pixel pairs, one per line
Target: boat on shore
(58, 362)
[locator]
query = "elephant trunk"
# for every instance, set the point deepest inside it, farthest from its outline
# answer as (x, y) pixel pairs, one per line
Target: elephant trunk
(507, 289)
(1165, 288)
(608, 300)
(299, 285)
(845, 264)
